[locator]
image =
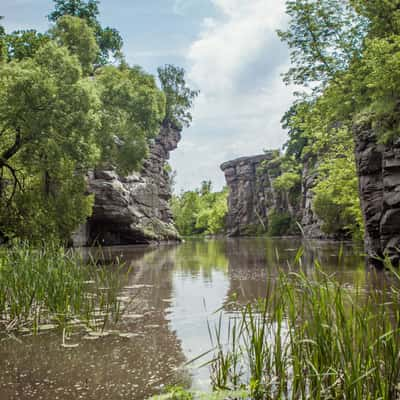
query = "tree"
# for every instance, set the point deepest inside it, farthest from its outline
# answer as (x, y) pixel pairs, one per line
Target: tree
(200, 212)
(132, 111)
(3, 46)
(24, 44)
(179, 97)
(108, 39)
(293, 121)
(87, 10)
(75, 34)
(324, 37)
(336, 200)
(48, 124)
(383, 16)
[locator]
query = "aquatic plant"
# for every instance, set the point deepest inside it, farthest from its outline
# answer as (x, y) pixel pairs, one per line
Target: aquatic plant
(182, 394)
(52, 287)
(313, 338)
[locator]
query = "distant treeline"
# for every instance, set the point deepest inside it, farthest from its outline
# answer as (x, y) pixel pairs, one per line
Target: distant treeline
(201, 211)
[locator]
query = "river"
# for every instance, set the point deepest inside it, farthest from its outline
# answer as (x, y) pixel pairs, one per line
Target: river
(172, 292)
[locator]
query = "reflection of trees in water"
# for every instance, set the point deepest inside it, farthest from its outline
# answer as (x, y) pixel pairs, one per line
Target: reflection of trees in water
(202, 257)
(111, 367)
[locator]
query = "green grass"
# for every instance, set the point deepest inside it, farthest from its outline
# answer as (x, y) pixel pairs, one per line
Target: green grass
(312, 338)
(47, 287)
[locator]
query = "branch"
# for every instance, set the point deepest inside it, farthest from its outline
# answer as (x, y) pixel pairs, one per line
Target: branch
(316, 48)
(16, 182)
(13, 149)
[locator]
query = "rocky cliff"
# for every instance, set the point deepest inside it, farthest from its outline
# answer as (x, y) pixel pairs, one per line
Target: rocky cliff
(248, 195)
(253, 200)
(133, 209)
(379, 171)
(309, 221)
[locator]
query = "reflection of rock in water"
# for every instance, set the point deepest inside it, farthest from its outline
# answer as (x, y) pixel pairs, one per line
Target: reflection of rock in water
(248, 269)
(254, 263)
(111, 367)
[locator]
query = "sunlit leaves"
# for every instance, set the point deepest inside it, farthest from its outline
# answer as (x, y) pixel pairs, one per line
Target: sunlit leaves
(132, 111)
(178, 95)
(324, 38)
(201, 211)
(108, 39)
(78, 37)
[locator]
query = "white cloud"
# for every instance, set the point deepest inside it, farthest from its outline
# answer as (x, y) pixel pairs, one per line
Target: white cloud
(229, 43)
(236, 62)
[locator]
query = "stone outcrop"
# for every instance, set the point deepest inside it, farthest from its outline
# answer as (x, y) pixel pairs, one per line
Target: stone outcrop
(251, 195)
(379, 184)
(133, 209)
(309, 221)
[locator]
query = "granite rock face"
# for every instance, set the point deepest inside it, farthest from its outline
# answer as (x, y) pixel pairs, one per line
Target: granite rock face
(309, 221)
(133, 209)
(379, 184)
(251, 195)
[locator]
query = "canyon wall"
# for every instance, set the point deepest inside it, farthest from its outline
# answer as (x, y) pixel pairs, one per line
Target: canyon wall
(252, 198)
(379, 184)
(133, 209)
(250, 195)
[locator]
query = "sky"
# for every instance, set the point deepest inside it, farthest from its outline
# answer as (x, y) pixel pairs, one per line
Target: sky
(231, 53)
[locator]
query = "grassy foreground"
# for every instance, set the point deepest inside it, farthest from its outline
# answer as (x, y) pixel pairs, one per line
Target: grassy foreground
(51, 287)
(309, 338)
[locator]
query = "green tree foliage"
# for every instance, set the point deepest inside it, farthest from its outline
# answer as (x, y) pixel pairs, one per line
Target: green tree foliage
(108, 39)
(336, 199)
(24, 44)
(132, 111)
(201, 211)
(383, 16)
(3, 45)
(293, 121)
(48, 127)
(287, 181)
(178, 95)
(280, 223)
(87, 10)
(348, 53)
(324, 37)
(64, 109)
(58, 120)
(75, 34)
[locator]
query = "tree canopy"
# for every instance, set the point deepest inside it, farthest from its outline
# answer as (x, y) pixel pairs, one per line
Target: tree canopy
(179, 97)
(108, 39)
(201, 211)
(347, 53)
(65, 108)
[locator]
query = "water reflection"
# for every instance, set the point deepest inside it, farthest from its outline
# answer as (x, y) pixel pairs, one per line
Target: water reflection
(171, 293)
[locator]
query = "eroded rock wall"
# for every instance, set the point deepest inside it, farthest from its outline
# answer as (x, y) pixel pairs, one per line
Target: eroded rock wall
(251, 195)
(379, 184)
(309, 221)
(133, 209)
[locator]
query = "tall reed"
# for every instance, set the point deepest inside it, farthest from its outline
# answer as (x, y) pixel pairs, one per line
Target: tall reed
(52, 286)
(313, 338)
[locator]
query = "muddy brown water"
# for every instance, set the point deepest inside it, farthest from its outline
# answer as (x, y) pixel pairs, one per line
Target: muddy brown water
(172, 292)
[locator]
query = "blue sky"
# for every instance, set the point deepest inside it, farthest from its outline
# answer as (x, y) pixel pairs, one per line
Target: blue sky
(231, 53)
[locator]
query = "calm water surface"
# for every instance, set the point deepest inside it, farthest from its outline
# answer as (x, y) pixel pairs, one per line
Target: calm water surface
(172, 292)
